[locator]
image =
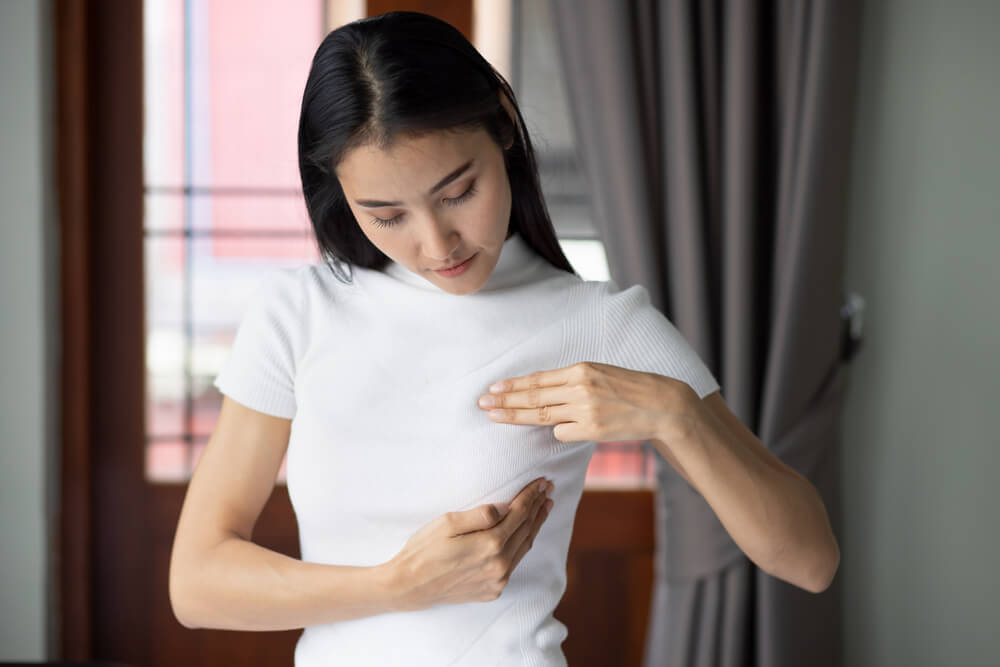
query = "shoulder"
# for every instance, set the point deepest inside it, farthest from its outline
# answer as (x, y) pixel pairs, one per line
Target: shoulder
(301, 288)
(577, 297)
(598, 297)
(612, 295)
(276, 289)
(612, 300)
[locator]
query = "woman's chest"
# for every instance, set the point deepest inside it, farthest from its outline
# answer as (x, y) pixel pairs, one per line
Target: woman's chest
(393, 431)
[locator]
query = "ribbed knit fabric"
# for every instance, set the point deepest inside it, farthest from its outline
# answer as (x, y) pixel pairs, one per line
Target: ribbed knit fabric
(380, 379)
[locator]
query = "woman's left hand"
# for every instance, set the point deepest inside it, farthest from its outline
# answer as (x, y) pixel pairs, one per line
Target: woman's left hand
(594, 401)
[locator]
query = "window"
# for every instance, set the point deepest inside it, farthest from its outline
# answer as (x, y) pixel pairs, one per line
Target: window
(223, 204)
(222, 199)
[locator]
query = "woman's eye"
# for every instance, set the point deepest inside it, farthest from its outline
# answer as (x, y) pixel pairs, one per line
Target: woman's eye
(386, 223)
(462, 197)
(454, 201)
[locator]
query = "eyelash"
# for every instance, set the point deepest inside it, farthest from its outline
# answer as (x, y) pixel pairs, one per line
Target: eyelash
(454, 201)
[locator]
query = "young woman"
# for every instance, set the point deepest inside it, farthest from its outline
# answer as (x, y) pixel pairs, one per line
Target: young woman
(427, 532)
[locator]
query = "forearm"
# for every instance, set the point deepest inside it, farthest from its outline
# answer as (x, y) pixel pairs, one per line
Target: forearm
(774, 515)
(239, 585)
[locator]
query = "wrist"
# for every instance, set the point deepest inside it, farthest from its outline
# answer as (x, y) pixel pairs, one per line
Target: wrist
(682, 413)
(386, 580)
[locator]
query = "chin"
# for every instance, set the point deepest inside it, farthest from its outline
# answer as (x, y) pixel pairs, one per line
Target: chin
(462, 290)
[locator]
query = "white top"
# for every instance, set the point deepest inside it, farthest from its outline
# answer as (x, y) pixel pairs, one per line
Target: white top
(381, 379)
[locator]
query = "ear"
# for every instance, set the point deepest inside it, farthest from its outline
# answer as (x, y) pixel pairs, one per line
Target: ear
(509, 108)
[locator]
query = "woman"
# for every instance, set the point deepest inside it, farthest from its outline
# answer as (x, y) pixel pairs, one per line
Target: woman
(426, 535)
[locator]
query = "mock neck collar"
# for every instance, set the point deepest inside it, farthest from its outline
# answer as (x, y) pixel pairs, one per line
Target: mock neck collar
(517, 263)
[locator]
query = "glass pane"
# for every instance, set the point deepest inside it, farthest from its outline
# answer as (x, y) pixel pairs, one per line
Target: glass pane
(167, 461)
(587, 257)
(229, 216)
(164, 99)
(165, 344)
(224, 80)
(164, 211)
(251, 60)
(539, 83)
(620, 464)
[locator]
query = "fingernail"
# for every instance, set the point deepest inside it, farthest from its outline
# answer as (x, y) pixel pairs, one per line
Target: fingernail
(541, 485)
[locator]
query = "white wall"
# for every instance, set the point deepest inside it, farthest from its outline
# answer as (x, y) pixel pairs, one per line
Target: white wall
(921, 439)
(29, 342)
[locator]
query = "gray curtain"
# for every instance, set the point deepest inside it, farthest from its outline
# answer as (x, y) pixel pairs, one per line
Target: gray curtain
(715, 136)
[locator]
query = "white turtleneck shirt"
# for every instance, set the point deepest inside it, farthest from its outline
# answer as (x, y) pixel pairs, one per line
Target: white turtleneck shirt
(380, 379)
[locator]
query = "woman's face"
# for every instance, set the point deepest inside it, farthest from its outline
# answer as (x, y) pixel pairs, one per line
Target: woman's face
(432, 202)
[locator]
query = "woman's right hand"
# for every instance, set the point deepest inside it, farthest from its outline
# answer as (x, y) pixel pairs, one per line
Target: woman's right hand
(468, 556)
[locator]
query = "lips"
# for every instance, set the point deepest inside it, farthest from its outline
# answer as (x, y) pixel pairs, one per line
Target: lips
(445, 268)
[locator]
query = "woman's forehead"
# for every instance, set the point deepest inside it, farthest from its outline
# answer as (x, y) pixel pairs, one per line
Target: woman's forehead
(423, 146)
(412, 159)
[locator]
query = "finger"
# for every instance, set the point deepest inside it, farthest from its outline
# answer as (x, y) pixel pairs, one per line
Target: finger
(539, 379)
(528, 489)
(525, 546)
(521, 516)
(476, 519)
(523, 529)
(545, 415)
(532, 398)
(527, 495)
(521, 506)
(488, 516)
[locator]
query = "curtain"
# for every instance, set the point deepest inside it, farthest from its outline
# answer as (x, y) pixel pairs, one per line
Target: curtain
(715, 138)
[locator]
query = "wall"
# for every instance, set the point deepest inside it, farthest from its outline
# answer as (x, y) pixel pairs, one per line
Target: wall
(921, 446)
(28, 280)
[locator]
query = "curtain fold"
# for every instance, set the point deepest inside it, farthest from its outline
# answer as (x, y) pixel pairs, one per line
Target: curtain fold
(715, 137)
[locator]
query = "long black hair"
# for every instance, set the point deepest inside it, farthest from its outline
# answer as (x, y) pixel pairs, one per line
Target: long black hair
(406, 74)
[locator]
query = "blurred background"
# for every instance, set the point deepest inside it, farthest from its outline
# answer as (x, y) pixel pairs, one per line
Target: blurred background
(90, 487)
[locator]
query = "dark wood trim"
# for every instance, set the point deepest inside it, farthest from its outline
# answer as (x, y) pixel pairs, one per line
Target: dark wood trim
(456, 12)
(120, 630)
(99, 174)
(73, 183)
(609, 578)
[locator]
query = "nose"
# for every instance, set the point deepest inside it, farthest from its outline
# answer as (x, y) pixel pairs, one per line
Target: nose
(440, 242)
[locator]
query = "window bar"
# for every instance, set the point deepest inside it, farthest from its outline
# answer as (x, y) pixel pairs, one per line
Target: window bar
(224, 190)
(230, 233)
(187, 245)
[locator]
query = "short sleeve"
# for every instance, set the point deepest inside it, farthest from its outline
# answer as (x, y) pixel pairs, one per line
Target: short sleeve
(260, 369)
(639, 337)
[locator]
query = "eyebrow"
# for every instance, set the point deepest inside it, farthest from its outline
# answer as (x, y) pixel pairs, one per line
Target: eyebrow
(374, 203)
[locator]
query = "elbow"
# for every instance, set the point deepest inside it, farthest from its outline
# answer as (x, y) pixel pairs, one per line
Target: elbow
(180, 598)
(187, 624)
(178, 606)
(183, 620)
(812, 571)
(812, 556)
(828, 570)
(822, 568)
